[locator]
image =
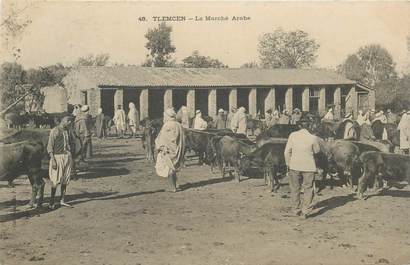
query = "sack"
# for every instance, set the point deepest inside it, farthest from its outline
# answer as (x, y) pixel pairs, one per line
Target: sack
(164, 166)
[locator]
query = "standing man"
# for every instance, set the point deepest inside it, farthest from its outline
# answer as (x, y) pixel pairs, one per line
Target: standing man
(268, 118)
(239, 122)
(100, 124)
(404, 128)
(183, 117)
(170, 143)
(221, 120)
(299, 157)
(82, 129)
(199, 122)
(60, 166)
(230, 116)
(134, 119)
(119, 121)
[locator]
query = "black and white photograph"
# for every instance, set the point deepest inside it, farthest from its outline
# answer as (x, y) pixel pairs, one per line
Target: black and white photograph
(204, 132)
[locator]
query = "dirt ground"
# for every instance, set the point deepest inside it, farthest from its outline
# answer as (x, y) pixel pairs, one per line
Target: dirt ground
(122, 215)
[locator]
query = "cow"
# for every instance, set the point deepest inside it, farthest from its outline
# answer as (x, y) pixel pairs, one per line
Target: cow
(343, 156)
(151, 129)
(270, 159)
(390, 167)
(276, 131)
(231, 150)
(33, 156)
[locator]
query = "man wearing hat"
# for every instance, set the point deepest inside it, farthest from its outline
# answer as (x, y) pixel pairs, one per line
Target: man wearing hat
(119, 121)
(221, 119)
(60, 166)
(199, 123)
(268, 118)
(83, 130)
(299, 157)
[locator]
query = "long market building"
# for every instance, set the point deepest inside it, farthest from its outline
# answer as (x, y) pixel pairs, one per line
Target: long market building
(154, 89)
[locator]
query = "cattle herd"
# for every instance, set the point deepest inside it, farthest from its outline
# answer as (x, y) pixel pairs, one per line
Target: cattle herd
(366, 160)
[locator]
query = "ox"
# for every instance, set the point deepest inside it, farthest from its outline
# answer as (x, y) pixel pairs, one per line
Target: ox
(30, 161)
(343, 156)
(391, 167)
(231, 150)
(151, 129)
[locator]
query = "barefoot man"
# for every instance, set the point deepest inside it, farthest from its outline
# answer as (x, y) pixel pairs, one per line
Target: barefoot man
(60, 159)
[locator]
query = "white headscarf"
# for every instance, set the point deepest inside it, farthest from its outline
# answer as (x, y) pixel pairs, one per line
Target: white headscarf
(169, 115)
(99, 110)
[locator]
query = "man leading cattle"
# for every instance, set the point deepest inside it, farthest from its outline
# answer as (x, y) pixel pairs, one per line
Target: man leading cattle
(60, 159)
(299, 157)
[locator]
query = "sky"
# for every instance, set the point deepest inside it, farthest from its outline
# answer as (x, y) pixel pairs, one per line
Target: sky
(62, 31)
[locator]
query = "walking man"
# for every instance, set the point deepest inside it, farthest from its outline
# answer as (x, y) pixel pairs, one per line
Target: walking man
(299, 157)
(170, 144)
(60, 159)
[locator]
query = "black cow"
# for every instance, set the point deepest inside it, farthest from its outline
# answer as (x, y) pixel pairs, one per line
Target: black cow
(343, 156)
(151, 129)
(391, 167)
(393, 134)
(34, 154)
(270, 159)
(276, 131)
(232, 150)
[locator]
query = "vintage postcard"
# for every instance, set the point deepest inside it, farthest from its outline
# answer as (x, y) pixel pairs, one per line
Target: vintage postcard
(219, 132)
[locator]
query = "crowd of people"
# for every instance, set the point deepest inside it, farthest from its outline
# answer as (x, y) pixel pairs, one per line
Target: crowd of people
(170, 143)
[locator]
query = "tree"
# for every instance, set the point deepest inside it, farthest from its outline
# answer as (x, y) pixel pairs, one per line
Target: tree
(93, 60)
(250, 65)
(12, 77)
(373, 65)
(195, 60)
(159, 46)
(293, 49)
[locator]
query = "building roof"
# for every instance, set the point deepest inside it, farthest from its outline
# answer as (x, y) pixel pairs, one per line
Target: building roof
(133, 76)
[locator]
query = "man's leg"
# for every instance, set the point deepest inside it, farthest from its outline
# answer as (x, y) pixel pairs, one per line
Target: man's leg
(53, 195)
(172, 181)
(294, 183)
(89, 147)
(308, 180)
(65, 178)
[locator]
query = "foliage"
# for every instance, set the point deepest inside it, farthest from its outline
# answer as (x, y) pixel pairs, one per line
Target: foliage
(12, 77)
(93, 60)
(281, 49)
(195, 60)
(373, 66)
(250, 65)
(159, 46)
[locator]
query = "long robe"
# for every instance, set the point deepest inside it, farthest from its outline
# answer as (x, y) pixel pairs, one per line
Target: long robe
(404, 127)
(100, 125)
(119, 120)
(134, 118)
(171, 140)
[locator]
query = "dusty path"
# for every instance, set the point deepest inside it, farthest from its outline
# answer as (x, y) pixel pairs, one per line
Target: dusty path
(122, 215)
